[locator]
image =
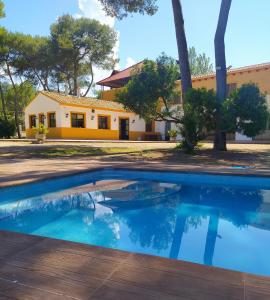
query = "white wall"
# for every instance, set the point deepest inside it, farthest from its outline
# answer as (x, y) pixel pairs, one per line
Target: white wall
(138, 125)
(42, 104)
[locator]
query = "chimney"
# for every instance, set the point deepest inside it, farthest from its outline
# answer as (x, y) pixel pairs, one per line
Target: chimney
(66, 89)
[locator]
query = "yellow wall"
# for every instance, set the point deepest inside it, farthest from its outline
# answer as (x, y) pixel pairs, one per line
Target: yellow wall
(54, 133)
(110, 95)
(91, 134)
(260, 77)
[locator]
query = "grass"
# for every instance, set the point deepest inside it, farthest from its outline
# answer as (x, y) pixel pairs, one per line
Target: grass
(58, 152)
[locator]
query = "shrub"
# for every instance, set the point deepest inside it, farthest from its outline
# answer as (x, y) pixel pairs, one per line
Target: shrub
(41, 129)
(199, 110)
(173, 134)
(7, 128)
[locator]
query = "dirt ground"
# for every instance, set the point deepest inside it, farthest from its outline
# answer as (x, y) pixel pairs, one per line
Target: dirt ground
(23, 161)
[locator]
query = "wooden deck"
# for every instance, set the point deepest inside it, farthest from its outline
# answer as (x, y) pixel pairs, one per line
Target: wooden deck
(40, 268)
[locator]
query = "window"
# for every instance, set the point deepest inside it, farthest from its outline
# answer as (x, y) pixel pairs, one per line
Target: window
(51, 120)
(103, 122)
(230, 88)
(77, 120)
(32, 121)
(149, 126)
(41, 119)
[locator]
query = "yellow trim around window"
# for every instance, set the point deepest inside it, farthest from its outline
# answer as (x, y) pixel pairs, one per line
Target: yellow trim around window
(29, 120)
(48, 119)
(78, 113)
(109, 121)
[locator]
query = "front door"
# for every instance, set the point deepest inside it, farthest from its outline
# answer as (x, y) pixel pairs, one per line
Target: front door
(124, 129)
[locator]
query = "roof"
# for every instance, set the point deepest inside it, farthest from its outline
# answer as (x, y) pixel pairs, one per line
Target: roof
(119, 78)
(83, 101)
(250, 68)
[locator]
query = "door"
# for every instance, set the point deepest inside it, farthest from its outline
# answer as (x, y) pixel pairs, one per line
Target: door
(124, 129)
(167, 129)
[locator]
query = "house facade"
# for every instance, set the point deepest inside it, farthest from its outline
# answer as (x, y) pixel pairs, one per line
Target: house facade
(258, 74)
(70, 117)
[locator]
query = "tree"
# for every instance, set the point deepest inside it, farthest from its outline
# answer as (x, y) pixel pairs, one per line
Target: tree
(8, 56)
(245, 111)
(151, 94)
(2, 13)
(200, 64)
(26, 93)
(36, 60)
(80, 44)
(151, 87)
(120, 9)
(221, 71)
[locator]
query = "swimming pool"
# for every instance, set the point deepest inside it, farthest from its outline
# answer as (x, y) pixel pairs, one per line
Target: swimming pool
(217, 220)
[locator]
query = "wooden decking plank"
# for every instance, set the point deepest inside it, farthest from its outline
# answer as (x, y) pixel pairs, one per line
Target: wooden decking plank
(178, 284)
(37, 267)
(48, 282)
(11, 290)
(111, 290)
(187, 268)
(257, 287)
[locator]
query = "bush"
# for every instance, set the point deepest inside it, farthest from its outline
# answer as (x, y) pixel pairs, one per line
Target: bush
(199, 110)
(41, 129)
(7, 128)
(173, 134)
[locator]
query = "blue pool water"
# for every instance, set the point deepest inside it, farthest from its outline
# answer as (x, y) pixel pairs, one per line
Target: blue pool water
(223, 221)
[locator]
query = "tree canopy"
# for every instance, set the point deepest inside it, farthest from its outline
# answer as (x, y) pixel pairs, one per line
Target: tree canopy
(151, 94)
(245, 111)
(80, 44)
(64, 59)
(150, 86)
(121, 8)
(200, 64)
(2, 13)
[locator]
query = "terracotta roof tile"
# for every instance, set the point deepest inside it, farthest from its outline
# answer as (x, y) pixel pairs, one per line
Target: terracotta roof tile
(83, 101)
(126, 73)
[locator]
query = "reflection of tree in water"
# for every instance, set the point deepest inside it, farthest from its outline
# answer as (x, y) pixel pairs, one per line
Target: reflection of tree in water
(232, 204)
(30, 214)
(105, 230)
(152, 226)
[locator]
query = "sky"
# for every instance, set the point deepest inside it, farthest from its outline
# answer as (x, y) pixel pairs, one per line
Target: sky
(140, 37)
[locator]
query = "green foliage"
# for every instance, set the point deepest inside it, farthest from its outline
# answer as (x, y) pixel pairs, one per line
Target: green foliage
(150, 87)
(2, 13)
(173, 133)
(245, 111)
(7, 128)
(200, 64)
(198, 118)
(80, 44)
(41, 129)
(121, 8)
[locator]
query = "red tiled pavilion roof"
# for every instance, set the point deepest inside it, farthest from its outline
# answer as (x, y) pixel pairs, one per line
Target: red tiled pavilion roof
(119, 78)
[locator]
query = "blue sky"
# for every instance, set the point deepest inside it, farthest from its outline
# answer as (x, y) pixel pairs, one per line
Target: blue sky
(247, 38)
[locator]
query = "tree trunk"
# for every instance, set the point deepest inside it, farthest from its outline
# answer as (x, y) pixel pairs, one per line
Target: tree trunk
(91, 82)
(75, 80)
(16, 113)
(3, 103)
(182, 46)
(221, 72)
